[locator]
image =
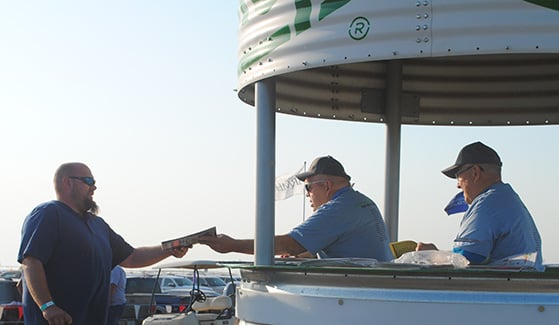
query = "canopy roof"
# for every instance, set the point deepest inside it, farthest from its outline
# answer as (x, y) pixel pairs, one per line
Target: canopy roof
(503, 89)
(493, 62)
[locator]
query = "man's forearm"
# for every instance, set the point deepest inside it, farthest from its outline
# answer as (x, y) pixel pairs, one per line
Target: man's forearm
(286, 245)
(145, 256)
(36, 280)
(283, 244)
(245, 246)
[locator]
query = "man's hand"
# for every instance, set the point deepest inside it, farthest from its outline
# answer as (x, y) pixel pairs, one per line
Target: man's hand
(220, 243)
(426, 247)
(56, 316)
(179, 252)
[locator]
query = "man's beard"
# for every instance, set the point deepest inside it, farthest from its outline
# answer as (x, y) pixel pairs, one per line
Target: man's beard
(91, 206)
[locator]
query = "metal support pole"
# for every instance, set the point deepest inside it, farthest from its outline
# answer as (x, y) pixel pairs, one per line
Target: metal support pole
(265, 102)
(393, 139)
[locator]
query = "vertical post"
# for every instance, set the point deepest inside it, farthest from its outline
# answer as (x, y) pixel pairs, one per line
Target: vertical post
(265, 102)
(304, 191)
(393, 139)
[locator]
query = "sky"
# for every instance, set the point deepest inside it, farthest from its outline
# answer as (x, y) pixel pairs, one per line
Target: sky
(143, 92)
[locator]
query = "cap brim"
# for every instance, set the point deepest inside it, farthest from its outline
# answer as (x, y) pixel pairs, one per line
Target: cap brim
(304, 175)
(451, 171)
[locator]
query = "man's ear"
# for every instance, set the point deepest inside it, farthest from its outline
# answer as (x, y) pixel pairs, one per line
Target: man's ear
(477, 171)
(66, 182)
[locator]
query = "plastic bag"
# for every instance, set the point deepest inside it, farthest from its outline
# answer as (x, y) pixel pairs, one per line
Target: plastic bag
(433, 257)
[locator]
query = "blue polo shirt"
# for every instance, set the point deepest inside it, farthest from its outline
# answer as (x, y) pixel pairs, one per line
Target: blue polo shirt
(78, 254)
(349, 225)
(498, 225)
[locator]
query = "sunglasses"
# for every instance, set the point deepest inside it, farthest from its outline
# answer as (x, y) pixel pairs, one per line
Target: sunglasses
(463, 170)
(90, 181)
(308, 185)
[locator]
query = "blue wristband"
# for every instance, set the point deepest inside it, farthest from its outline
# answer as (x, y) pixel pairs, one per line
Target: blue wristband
(47, 305)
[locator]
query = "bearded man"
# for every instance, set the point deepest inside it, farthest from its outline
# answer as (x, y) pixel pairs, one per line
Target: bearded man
(67, 253)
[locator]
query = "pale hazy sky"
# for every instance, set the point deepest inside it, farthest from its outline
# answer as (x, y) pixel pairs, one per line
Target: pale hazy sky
(143, 92)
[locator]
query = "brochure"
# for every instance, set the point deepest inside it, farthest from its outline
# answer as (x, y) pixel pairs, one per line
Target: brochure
(189, 240)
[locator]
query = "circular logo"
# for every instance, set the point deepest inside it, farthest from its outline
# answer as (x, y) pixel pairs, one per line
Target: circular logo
(359, 28)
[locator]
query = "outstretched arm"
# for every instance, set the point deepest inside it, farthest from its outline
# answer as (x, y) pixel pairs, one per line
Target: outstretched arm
(225, 244)
(284, 245)
(149, 255)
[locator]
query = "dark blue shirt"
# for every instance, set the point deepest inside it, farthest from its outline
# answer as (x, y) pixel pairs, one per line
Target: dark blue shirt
(78, 254)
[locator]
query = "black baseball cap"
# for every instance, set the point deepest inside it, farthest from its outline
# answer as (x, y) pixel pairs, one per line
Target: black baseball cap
(325, 166)
(474, 153)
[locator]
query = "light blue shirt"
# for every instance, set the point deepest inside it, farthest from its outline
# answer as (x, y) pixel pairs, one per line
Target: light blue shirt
(497, 225)
(118, 278)
(349, 225)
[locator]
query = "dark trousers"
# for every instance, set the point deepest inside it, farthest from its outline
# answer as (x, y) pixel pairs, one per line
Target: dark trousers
(115, 312)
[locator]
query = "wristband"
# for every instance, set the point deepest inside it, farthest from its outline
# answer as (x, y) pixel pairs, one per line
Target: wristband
(46, 305)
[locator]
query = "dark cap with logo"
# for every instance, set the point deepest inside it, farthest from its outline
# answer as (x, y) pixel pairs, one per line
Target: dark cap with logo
(324, 166)
(474, 153)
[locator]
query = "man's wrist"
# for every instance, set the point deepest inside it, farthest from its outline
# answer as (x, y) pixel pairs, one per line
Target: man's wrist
(46, 305)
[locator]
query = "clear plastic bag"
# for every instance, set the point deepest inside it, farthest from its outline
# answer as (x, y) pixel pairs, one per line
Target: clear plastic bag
(433, 257)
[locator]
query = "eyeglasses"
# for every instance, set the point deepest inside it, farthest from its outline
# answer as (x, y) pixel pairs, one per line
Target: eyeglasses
(308, 185)
(90, 181)
(463, 170)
